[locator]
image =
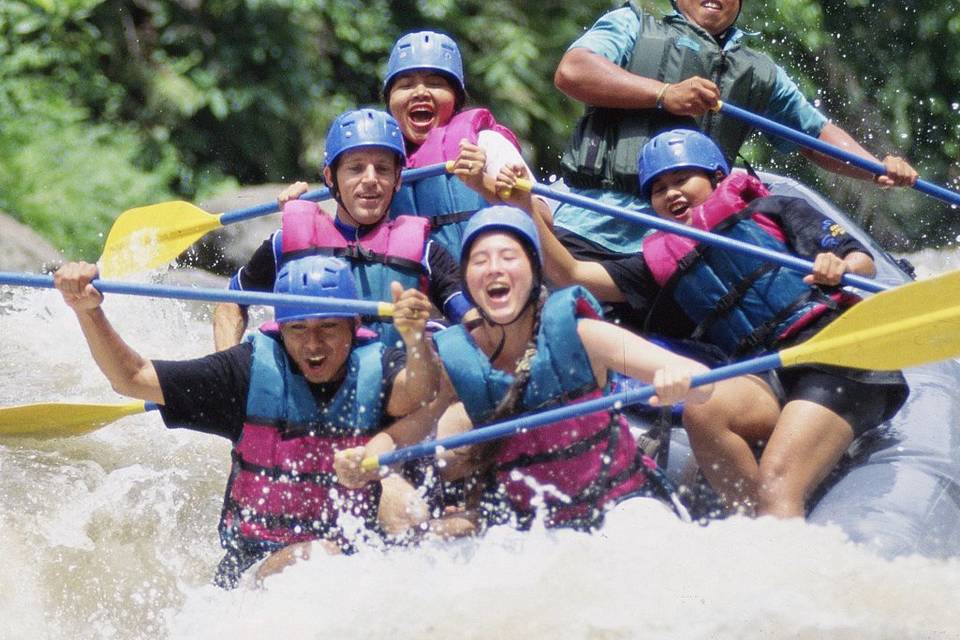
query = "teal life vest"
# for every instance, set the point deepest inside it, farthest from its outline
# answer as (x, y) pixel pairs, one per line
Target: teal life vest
(603, 151)
(592, 460)
(282, 486)
(741, 303)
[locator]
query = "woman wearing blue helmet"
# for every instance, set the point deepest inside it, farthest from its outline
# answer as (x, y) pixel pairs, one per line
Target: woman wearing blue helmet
(425, 91)
(530, 351)
(363, 158)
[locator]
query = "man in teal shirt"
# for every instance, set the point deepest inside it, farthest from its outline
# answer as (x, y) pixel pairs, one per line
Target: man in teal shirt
(639, 75)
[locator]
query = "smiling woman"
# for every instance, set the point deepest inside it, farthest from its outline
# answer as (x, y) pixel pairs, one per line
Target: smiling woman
(529, 351)
(425, 90)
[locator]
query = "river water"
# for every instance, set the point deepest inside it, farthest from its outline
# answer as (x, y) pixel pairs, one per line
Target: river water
(113, 535)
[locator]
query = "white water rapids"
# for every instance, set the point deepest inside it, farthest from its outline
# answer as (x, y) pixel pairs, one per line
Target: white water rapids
(113, 535)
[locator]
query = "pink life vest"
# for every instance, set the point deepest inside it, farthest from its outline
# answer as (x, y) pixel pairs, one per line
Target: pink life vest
(443, 142)
(282, 487)
(663, 250)
(392, 251)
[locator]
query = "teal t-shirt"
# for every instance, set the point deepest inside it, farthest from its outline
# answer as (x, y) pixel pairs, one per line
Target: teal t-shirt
(613, 37)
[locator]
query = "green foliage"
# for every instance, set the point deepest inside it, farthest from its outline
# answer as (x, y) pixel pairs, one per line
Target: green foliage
(109, 104)
(886, 72)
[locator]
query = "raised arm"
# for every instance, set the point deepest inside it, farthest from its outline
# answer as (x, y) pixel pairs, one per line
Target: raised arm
(129, 373)
(560, 266)
(229, 322)
(417, 382)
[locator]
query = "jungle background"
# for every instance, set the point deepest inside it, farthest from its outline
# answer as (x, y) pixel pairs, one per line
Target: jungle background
(108, 104)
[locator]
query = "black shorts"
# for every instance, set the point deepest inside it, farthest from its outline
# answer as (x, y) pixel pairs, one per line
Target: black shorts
(864, 399)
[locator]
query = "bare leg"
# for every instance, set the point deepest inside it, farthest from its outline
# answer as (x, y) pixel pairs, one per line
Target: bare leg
(741, 413)
(806, 444)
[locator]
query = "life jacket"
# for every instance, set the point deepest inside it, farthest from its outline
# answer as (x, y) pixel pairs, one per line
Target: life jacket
(444, 199)
(592, 460)
(740, 303)
(282, 486)
(606, 142)
(392, 251)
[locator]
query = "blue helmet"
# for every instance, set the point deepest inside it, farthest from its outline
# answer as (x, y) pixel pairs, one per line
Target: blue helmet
(501, 218)
(426, 51)
(360, 129)
(678, 149)
(319, 276)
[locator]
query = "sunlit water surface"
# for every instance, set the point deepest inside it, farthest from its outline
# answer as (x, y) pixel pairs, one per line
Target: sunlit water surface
(113, 535)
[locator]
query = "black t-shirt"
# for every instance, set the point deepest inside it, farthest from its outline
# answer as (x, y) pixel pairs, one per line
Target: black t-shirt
(443, 274)
(209, 394)
(807, 233)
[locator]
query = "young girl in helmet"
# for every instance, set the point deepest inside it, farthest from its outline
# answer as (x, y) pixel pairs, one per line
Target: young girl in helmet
(527, 352)
(425, 91)
(806, 416)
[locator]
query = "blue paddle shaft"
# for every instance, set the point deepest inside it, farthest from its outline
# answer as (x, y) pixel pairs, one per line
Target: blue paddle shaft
(877, 169)
(669, 226)
(239, 215)
(361, 307)
(551, 416)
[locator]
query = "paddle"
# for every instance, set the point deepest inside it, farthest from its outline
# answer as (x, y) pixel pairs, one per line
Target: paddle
(148, 237)
(877, 169)
(669, 226)
(360, 307)
(912, 324)
(63, 419)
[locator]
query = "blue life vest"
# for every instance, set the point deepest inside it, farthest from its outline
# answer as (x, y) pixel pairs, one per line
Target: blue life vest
(282, 486)
(592, 460)
(741, 303)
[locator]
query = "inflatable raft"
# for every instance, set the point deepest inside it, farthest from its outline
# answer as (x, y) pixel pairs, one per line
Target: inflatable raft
(897, 490)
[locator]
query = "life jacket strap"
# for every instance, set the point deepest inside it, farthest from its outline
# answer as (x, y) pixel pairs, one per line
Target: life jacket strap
(449, 218)
(731, 299)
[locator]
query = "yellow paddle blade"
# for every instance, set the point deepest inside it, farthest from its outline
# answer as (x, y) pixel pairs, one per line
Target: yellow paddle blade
(903, 327)
(149, 237)
(61, 419)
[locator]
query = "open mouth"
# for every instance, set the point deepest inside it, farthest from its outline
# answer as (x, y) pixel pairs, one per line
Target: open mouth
(680, 210)
(315, 363)
(369, 199)
(498, 292)
(421, 115)
(712, 5)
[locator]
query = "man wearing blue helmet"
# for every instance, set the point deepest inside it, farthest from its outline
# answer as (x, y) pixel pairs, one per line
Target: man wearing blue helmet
(287, 398)
(425, 91)
(363, 159)
(742, 306)
(639, 75)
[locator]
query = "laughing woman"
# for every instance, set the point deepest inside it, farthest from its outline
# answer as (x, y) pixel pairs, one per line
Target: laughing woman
(529, 351)
(425, 91)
